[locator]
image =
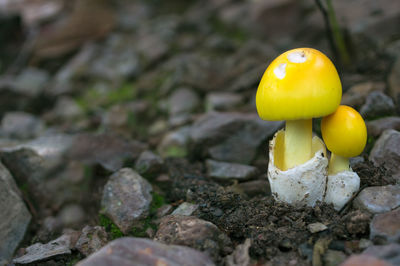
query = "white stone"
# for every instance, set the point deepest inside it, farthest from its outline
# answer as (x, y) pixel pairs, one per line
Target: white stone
(341, 187)
(301, 185)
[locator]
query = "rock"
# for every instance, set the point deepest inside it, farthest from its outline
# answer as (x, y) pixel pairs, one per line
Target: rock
(376, 127)
(126, 199)
(394, 81)
(72, 216)
(378, 199)
(174, 144)
(91, 240)
(363, 260)
(185, 209)
(240, 256)
(230, 137)
(358, 93)
(31, 81)
(131, 251)
(389, 253)
(193, 232)
(21, 125)
(164, 210)
(65, 108)
(38, 252)
(222, 171)
(15, 216)
(377, 105)
(222, 101)
(386, 227)
(386, 152)
(333, 257)
(316, 227)
(255, 187)
(149, 164)
(183, 100)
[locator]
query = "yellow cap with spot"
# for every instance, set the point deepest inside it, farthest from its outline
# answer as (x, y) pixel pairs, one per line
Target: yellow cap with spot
(344, 132)
(299, 84)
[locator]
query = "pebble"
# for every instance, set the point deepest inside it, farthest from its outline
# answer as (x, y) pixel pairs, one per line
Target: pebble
(15, 217)
(149, 164)
(377, 105)
(130, 251)
(389, 253)
(240, 256)
(316, 227)
(386, 152)
(31, 81)
(385, 227)
(333, 257)
(192, 232)
(72, 216)
(376, 127)
(175, 143)
(223, 171)
(255, 187)
(21, 125)
(185, 209)
(378, 199)
(364, 260)
(183, 101)
(126, 199)
(358, 93)
(91, 240)
(222, 101)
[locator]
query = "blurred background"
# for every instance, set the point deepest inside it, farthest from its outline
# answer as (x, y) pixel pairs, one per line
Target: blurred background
(106, 80)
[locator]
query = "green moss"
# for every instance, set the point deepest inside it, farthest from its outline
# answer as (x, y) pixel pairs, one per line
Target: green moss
(110, 227)
(175, 151)
(157, 202)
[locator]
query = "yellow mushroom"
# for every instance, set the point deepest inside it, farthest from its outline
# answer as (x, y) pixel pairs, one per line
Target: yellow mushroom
(298, 85)
(345, 134)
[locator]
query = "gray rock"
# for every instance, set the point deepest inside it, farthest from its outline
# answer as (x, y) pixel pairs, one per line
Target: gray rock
(31, 81)
(72, 216)
(38, 251)
(131, 251)
(222, 101)
(65, 108)
(193, 232)
(230, 137)
(255, 187)
(363, 260)
(183, 100)
(126, 199)
(390, 253)
(376, 127)
(358, 93)
(230, 171)
(316, 227)
(386, 152)
(334, 257)
(174, 144)
(185, 209)
(377, 105)
(149, 164)
(240, 256)
(91, 240)
(394, 81)
(20, 125)
(385, 227)
(15, 217)
(378, 199)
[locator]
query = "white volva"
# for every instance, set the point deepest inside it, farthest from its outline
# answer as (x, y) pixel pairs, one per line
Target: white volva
(303, 184)
(341, 187)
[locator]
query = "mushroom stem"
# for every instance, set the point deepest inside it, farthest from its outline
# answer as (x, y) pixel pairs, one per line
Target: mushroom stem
(298, 142)
(338, 164)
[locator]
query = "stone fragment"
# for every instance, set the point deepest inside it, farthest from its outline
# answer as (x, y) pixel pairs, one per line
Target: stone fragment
(316, 227)
(149, 164)
(222, 101)
(230, 137)
(386, 227)
(129, 251)
(240, 256)
(15, 217)
(333, 257)
(390, 253)
(386, 152)
(376, 127)
(185, 209)
(31, 81)
(72, 216)
(364, 260)
(174, 144)
(378, 199)
(358, 93)
(230, 171)
(126, 199)
(377, 105)
(255, 187)
(193, 232)
(183, 100)
(21, 125)
(91, 240)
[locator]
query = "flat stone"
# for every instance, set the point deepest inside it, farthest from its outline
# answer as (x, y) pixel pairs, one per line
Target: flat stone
(21, 125)
(31, 81)
(15, 217)
(386, 152)
(376, 127)
(183, 100)
(386, 226)
(91, 240)
(230, 171)
(126, 199)
(378, 199)
(38, 252)
(222, 101)
(364, 260)
(185, 209)
(316, 227)
(130, 251)
(230, 137)
(377, 105)
(175, 143)
(149, 164)
(193, 232)
(389, 253)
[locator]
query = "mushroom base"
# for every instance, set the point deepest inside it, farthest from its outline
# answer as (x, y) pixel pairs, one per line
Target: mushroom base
(303, 184)
(341, 187)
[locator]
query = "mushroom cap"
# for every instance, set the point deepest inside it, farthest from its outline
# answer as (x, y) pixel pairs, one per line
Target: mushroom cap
(299, 84)
(344, 132)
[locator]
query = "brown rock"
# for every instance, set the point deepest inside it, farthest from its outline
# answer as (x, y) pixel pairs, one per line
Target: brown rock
(357, 94)
(376, 127)
(386, 226)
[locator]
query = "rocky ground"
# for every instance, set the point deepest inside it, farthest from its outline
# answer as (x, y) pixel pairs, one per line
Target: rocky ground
(129, 134)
